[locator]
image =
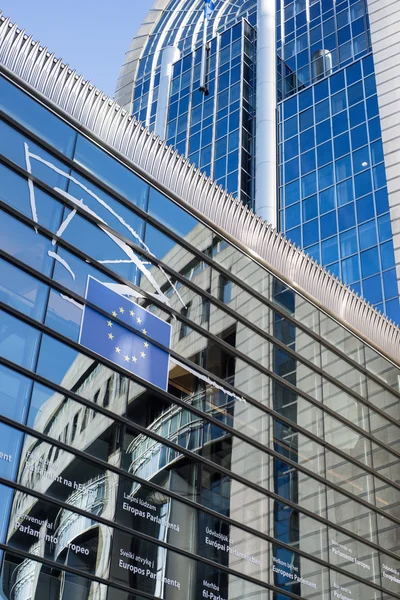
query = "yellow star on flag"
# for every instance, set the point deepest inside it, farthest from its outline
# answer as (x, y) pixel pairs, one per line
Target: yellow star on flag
(134, 359)
(144, 331)
(109, 323)
(110, 335)
(131, 313)
(143, 355)
(127, 358)
(117, 349)
(121, 310)
(146, 344)
(139, 320)
(114, 314)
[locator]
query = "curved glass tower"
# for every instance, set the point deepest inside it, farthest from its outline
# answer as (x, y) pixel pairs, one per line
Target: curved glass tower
(320, 161)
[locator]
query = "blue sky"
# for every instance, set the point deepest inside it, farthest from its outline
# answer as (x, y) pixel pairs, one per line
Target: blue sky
(88, 34)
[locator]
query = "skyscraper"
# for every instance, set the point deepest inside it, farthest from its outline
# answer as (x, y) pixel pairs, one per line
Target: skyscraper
(327, 74)
(189, 406)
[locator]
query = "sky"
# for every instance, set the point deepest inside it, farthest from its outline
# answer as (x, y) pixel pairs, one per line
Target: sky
(87, 34)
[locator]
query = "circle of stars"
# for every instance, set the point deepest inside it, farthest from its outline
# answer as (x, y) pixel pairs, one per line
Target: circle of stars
(146, 345)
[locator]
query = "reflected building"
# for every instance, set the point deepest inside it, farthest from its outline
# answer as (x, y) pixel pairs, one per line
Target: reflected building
(265, 467)
(318, 81)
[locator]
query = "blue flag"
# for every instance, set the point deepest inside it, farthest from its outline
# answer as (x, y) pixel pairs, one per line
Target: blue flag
(209, 6)
(115, 342)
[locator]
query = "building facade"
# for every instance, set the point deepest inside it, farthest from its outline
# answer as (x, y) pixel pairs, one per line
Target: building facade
(333, 76)
(266, 466)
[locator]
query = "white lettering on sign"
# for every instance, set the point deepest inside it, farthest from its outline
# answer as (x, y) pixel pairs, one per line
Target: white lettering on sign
(144, 568)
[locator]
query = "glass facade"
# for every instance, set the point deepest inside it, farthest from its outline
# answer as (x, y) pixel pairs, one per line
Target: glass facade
(216, 130)
(267, 468)
(332, 193)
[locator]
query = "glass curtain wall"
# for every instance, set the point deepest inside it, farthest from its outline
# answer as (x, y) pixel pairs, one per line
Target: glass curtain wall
(267, 467)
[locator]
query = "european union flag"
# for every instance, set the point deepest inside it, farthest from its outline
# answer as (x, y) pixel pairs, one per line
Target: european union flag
(209, 6)
(115, 342)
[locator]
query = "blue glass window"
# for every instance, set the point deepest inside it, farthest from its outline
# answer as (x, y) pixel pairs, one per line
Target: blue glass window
(12, 145)
(314, 252)
(327, 200)
(290, 107)
(381, 201)
(307, 162)
(365, 208)
(307, 140)
(330, 252)
(22, 291)
(363, 184)
(309, 184)
(372, 289)
(222, 127)
(341, 145)
(379, 176)
(368, 65)
(323, 132)
(310, 232)
(292, 215)
(348, 243)
(344, 192)
(368, 235)
(355, 93)
(310, 208)
(294, 235)
(370, 262)
(350, 269)
(377, 152)
(343, 168)
(334, 269)
(325, 176)
(384, 227)
(306, 119)
(220, 168)
(292, 169)
(322, 111)
(321, 90)
(387, 254)
(374, 128)
(19, 342)
(305, 99)
(328, 225)
(390, 284)
(290, 127)
(393, 310)
(340, 123)
(359, 136)
(194, 143)
(357, 114)
(353, 72)
(112, 172)
(346, 217)
(372, 107)
(361, 159)
(324, 154)
(292, 193)
(337, 82)
(36, 118)
(338, 102)
(291, 148)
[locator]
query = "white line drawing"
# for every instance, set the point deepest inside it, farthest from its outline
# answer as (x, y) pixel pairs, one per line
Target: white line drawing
(132, 257)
